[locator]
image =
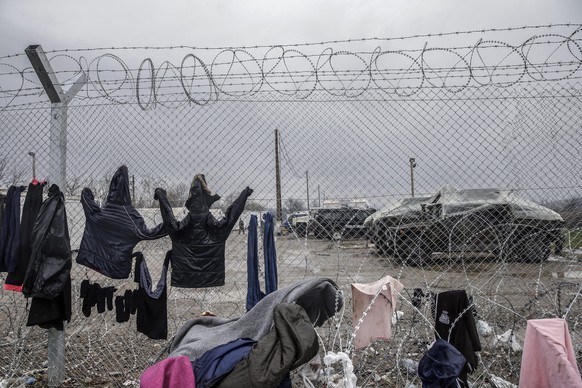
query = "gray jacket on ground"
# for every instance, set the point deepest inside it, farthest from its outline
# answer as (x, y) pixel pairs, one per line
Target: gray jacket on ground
(319, 297)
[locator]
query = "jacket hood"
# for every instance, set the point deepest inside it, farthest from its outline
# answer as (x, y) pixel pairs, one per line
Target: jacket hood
(200, 198)
(119, 188)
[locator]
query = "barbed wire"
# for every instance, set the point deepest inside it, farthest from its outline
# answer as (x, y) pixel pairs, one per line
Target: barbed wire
(293, 72)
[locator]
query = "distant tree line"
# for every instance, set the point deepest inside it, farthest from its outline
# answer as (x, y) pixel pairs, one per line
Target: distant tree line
(12, 175)
(142, 190)
(570, 210)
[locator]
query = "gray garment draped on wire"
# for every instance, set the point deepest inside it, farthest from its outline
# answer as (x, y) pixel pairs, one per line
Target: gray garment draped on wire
(319, 297)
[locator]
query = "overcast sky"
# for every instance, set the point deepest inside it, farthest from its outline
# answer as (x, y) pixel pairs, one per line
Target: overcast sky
(65, 24)
(68, 24)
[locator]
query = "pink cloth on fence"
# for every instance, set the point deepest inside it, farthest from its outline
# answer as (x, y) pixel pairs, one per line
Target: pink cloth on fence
(172, 372)
(377, 324)
(548, 358)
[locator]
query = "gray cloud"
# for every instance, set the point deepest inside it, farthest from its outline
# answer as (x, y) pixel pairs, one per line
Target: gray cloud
(65, 24)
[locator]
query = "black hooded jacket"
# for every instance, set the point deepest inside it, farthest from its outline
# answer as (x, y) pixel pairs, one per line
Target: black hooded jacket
(198, 241)
(49, 268)
(113, 231)
(455, 323)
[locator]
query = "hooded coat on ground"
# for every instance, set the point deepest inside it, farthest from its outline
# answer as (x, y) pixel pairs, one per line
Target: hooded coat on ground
(113, 231)
(198, 241)
(291, 343)
(319, 297)
(441, 366)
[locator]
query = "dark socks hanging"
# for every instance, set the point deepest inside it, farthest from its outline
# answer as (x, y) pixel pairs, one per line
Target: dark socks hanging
(120, 315)
(95, 295)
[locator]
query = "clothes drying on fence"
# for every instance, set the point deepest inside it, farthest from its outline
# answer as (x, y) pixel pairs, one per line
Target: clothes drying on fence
(30, 210)
(254, 293)
(271, 281)
(10, 231)
(111, 232)
(198, 240)
(172, 372)
(548, 358)
(151, 305)
(441, 366)
(291, 343)
(2, 206)
(95, 295)
(48, 276)
(125, 306)
(373, 306)
(455, 323)
(319, 297)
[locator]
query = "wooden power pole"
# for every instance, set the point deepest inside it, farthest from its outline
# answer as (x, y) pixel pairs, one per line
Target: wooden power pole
(279, 215)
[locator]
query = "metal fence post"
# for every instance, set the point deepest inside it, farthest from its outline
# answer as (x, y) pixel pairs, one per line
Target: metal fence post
(57, 175)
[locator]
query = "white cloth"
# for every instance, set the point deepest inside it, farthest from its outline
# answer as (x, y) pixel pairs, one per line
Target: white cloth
(373, 307)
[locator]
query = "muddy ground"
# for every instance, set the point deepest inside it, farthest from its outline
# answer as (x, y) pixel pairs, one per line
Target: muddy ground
(102, 352)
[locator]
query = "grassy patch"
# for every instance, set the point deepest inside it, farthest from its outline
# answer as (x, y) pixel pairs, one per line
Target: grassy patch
(575, 238)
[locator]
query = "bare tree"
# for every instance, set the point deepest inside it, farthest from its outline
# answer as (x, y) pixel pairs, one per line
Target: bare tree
(73, 186)
(145, 191)
(3, 168)
(254, 206)
(16, 175)
(294, 205)
(178, 194)
(225, 202)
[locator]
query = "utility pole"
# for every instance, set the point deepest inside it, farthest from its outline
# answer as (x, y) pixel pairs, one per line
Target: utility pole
(33, 164)
(59, 100)
(307, 180)
(412, 166)
(279, 211)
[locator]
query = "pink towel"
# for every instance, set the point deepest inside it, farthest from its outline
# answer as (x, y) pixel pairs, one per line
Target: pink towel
(377, 324)
(172, 372)
(548, 358)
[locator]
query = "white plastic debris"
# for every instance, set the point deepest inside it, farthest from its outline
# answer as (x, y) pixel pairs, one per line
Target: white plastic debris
(483, 328)
(410, 365)
(311, 371)
(397, 316)
(507, 338)
(498, 382)
(349, 378)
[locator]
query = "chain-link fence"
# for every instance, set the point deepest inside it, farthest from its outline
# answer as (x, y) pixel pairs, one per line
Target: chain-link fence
(449, 161)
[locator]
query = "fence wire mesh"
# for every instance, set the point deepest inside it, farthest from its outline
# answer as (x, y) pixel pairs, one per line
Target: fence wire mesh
(448, 161)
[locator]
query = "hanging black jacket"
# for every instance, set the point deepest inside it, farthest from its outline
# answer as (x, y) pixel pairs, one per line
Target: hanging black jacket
(49, 268)
(198, 241)
(10, 230)
(30, 210)
(455, 323)
(113, 231)
(48, 276)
